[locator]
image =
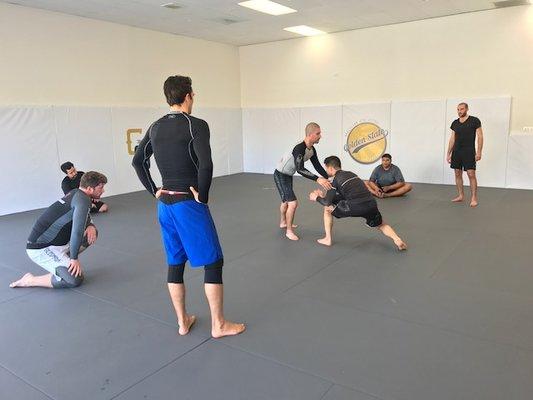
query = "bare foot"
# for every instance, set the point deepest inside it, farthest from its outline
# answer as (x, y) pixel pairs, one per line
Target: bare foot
(291, 235)
(25, 281)
(324, 241)
(227, 329)
(283, 226)
(473, 203)
(185, 328)
(458, 199)
(401, 245)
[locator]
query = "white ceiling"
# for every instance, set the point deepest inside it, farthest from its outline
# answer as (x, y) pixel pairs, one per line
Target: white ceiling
(205, 18)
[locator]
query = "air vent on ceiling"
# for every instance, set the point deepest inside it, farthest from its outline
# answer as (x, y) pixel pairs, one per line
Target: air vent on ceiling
(172, 6)
(227, 21)
(511, 3)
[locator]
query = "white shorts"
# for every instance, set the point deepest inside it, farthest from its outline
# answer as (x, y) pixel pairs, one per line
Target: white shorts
(51, 257)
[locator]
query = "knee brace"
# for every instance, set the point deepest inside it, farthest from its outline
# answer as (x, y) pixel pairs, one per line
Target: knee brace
(67, 280)
(175, 273)
(213, 272)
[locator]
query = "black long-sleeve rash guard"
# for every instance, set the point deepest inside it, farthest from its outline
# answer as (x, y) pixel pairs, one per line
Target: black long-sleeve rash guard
(346, 186)
(180, 145)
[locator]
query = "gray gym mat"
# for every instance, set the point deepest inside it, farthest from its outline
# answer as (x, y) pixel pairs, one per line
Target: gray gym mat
(382, 356)
(451, 318)
(12, 387)
(215, 371)
(342, 393)
(72, 346)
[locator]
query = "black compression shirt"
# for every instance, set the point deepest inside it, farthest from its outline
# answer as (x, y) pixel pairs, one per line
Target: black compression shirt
(180, 145)
(346, 186)
(70, 184)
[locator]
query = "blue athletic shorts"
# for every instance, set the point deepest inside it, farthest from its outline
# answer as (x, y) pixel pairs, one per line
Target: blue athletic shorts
(189, 233)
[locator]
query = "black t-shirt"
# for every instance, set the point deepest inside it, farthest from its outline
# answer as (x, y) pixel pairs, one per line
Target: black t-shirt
(70, 184)
(465, 133)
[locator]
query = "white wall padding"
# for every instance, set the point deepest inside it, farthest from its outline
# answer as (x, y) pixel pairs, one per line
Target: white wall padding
(417, 139)
(30, 161)
(84, 138)
(281, 132)
(520, 162)
(495, 114)
(330, 120)
(217, 120)
(124, 118)
(378, 113)
(271, 133)
(253, 142)
(235, 142)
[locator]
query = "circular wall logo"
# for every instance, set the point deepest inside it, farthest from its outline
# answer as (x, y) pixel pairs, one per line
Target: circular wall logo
(366, 142)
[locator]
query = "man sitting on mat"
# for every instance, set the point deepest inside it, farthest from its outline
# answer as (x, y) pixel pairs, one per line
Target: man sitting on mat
(387, 180)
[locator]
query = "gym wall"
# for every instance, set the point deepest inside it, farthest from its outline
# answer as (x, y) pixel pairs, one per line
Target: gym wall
(408, 77)
(72, 88)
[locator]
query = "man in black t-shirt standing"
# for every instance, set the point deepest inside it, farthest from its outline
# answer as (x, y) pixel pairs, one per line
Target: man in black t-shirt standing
(462, 153)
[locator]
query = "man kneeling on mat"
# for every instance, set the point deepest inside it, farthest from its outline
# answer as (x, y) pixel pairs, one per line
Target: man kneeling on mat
(349, 198)
(61, 233)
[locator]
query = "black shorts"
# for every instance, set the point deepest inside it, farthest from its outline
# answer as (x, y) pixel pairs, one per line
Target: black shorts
(96, 205)
(367, 210)
(284, 185)
(464, 159)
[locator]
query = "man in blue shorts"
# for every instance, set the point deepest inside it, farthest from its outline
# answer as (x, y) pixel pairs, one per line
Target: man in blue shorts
(180, 145)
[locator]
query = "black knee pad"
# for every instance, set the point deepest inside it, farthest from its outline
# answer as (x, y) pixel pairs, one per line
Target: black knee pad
(175, 273)
(213, 272)
(67, 280)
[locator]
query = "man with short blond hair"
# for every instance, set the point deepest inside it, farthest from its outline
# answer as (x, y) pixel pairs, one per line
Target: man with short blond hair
(291, 163)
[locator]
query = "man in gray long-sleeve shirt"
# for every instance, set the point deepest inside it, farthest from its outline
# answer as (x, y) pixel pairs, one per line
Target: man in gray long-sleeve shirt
(63, 231)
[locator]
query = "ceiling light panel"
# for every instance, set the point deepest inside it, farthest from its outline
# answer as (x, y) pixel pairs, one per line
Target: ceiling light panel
(267, 7)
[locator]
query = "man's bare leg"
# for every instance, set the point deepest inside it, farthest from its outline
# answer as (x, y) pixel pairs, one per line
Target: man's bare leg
(374, 189)
(219, 326)
(400, 191)
(283, 216)
(459, 184)
(328, 227)
(177, 295)
(291, 210)
(388, 231)
(473, 187)
(29, 280)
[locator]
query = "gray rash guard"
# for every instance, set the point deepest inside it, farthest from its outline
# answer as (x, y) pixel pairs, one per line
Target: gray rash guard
(63, 222)
(293, 162)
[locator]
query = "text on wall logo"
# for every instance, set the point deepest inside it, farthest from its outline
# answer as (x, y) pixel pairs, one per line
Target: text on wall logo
(366, 142)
